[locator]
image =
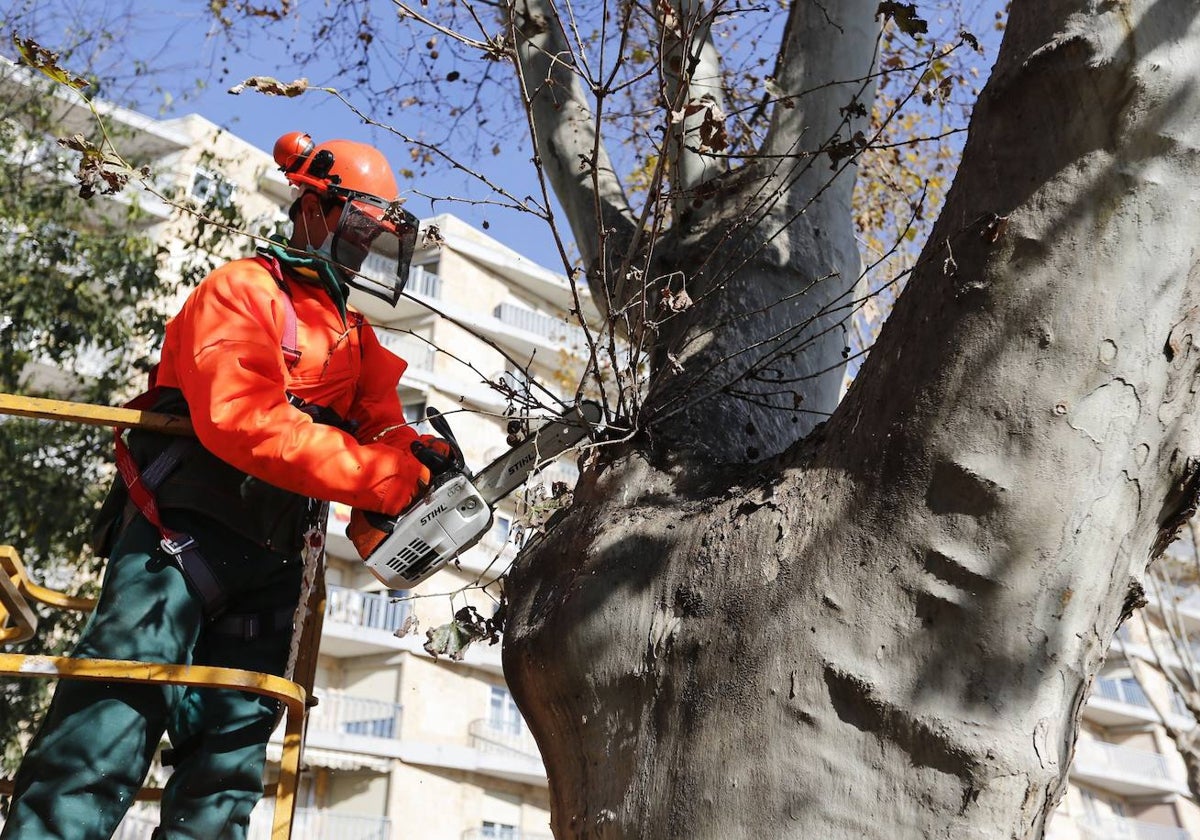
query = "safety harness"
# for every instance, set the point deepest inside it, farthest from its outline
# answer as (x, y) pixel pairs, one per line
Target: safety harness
(141, 485)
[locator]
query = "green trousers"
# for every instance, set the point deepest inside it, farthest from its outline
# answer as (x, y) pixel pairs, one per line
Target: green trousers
(95, 746)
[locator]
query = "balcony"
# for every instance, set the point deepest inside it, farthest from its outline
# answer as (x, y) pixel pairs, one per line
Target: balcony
(523, 333)
(1119, 828)
(489, 736)
(345, 714)
(1119, 703)
(309, 823)
(492, 749)
(418, 353)
(320, 824)
(345, 731)
(503, 834)
(359, 623)
(423, 286)
(1124, 770)
(553, 331)
(507, 753)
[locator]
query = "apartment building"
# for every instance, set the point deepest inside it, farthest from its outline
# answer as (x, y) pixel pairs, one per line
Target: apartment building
(1127, 780)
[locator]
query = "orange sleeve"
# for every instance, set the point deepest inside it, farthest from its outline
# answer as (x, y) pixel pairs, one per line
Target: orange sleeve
(377, 407)
(232, 374)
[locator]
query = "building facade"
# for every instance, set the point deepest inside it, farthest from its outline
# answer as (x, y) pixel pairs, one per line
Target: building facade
(1127, 779)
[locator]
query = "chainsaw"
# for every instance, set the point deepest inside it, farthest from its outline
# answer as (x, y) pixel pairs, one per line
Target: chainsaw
(456, 511)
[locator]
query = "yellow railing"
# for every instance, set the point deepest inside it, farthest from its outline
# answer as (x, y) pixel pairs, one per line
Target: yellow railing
(18, 622)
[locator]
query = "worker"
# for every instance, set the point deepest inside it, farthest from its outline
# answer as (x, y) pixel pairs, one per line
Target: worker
(292, 399)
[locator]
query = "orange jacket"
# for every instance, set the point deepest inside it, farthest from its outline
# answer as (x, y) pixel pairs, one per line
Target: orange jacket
(223, 351)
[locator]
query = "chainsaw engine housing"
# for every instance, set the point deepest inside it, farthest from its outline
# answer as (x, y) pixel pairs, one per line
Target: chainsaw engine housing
(451, 518)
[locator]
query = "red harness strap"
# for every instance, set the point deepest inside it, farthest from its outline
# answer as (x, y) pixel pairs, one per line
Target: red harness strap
(289, 344)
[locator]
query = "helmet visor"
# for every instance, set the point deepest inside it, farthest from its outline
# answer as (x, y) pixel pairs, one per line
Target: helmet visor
(375, 240)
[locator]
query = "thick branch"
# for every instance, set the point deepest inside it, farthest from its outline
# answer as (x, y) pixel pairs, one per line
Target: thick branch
(569, 145)
(893, 634)
(1028, 412)
(694, 94)
(771, 262)
(828, 50)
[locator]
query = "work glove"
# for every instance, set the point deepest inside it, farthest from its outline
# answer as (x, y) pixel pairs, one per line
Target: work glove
(438, 454)
(368, 529)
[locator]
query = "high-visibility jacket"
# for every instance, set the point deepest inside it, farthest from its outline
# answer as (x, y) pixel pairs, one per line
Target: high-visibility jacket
(223, 352)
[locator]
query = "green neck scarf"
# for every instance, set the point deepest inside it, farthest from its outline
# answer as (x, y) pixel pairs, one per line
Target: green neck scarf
(310, 267)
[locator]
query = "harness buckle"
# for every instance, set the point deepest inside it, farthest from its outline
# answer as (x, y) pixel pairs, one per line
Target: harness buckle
(175, 546)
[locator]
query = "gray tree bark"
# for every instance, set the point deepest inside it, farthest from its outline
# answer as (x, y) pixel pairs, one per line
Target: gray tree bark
(887, 630)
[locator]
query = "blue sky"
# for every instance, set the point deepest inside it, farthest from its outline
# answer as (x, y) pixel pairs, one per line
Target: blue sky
(190, 70)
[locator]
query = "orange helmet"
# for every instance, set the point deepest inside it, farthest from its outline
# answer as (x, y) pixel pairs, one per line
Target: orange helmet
(374, 239)
(334, 166)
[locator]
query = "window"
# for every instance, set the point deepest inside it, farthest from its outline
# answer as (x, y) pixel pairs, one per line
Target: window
(414, 412)
(1100, 807)
(498, 831)
(503, 715)
(212, 188)
(501, 529)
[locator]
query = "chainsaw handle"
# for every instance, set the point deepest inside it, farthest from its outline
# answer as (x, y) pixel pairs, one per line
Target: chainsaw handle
(442, 426)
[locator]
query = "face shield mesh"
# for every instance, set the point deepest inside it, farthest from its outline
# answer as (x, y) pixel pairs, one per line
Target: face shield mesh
(375, 240)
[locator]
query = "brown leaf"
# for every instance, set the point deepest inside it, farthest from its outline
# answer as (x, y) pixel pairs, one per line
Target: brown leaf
(411, 625)
(40, 58)
(433, 236)
(676, 302)
(905, 15)
(272, 86)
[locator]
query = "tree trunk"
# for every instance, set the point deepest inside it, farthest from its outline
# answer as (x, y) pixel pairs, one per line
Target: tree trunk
(888, 630)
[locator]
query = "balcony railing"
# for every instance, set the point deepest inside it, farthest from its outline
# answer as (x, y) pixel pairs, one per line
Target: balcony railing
(551, 329)
(1123, 761)
(425, 283)
(1121, 691)
(1119, 828)
(319, 824)
(419, 354)
(502, 834)
(309, 823)
(492, 737)
(345, 714)
(371, 610)
(420, 282)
